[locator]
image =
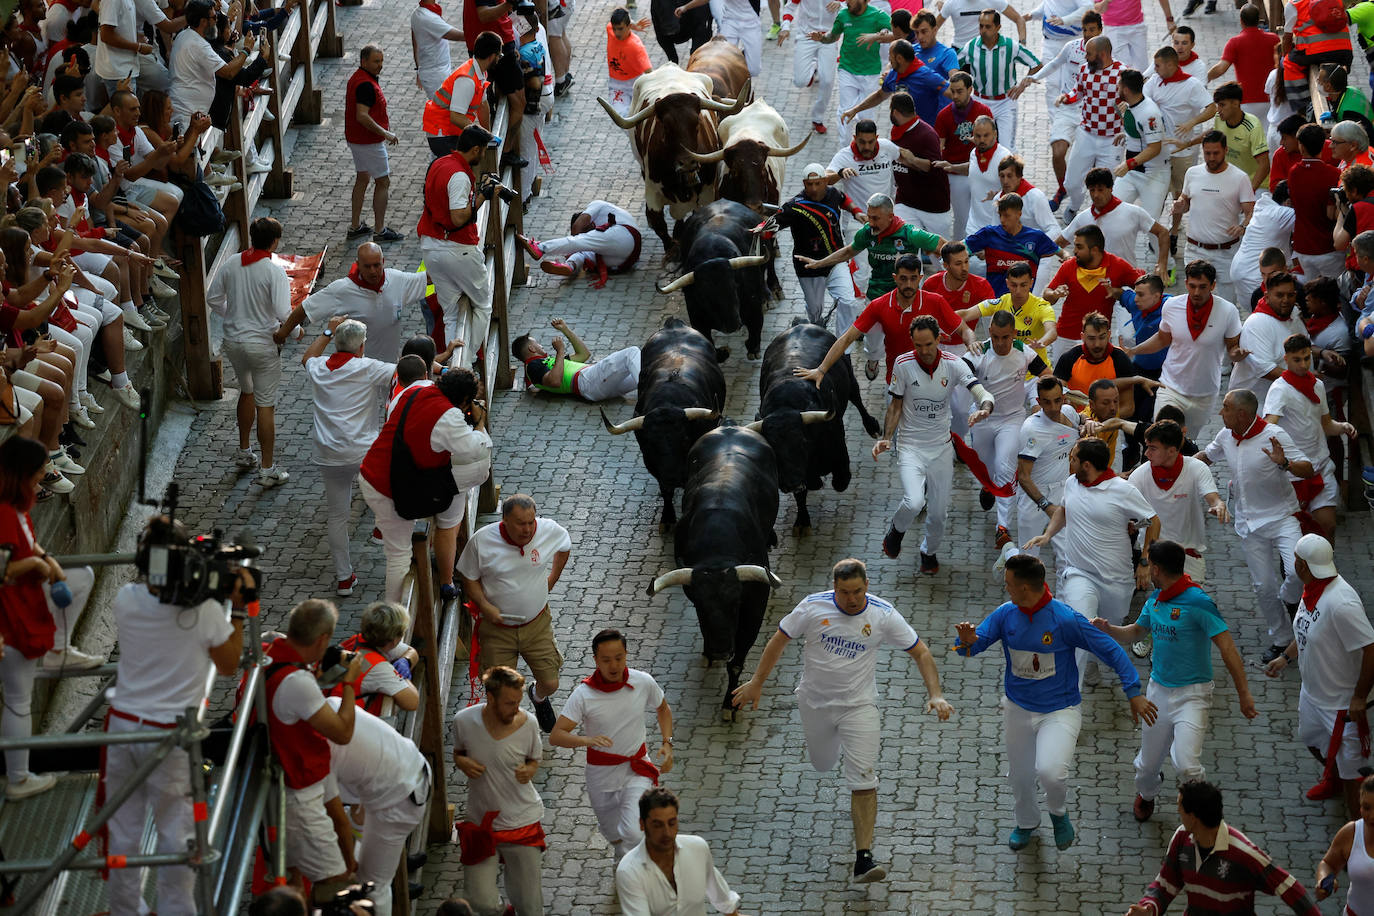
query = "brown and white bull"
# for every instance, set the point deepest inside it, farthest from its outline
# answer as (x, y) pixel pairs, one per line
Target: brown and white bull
(754, 151)
(725, 65)
(673, 114)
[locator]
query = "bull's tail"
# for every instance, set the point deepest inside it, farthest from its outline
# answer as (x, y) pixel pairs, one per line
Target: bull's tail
(871, 426)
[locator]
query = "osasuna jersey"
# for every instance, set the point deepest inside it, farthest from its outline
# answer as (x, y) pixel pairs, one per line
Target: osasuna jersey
(1048, 443)
(1005, 378)
(1143, 124)
(840, 660)
(926, 397)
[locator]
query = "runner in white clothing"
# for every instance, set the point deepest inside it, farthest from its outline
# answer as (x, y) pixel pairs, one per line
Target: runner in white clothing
(1263, 333)
(1042, 461)
(922, 392)
(862, 169)
(430, 35)
(1172, 484)
(838, 692)
(812, 61)
(608, 707)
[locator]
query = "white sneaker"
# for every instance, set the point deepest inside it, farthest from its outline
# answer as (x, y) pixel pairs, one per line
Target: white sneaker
(216, 180)
(127, 396)
(155, 312)
(79, 416)
(55, 482)
(228, 189)
(244, 458)
(130, 341)
(162, 270)
(70, 659)
(220, 156)
(35, 784)
(89, 402)
(258, 167)
(272, 477)
(160, 289)
(132, 319)
(64, 463)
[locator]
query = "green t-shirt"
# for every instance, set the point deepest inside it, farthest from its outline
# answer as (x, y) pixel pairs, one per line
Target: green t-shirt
(537, 371)
(884, 252)
(1362, 14)
(854, 57)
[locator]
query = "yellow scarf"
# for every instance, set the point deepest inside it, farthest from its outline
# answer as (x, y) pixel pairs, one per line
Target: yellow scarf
(1088, 279)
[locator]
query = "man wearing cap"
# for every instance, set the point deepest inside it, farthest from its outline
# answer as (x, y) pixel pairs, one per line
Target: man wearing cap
(1334, 647)
(813, 218)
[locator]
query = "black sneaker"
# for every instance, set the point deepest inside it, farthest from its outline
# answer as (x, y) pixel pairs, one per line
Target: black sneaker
(930, 564)
(866, 870)
(387, 235)
(892, 543)
(358, 231)
(515, 161)
(1192, 7)
(1272, 653)
(543, 712)
(561, 87)
(986, 499)
(1173, 246)
(1211, 7)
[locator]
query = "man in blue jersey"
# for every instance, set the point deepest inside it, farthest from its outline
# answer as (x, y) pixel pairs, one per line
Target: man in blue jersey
(838, 692)
(1041, 708)
(1010, 242)
(1185, 622)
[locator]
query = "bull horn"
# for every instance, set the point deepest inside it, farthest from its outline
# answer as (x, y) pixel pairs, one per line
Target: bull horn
(716, 156)
(731, 106)
(682, 576)
(621, 121)
(756, 426)
(686, 279)
(621, 429)
(748, 260)
(816, 416)
(757, 574)
(789, 150)
(699, 413)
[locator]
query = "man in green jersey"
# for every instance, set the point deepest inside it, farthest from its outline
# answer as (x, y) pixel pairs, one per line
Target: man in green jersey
(615, 376)
(861, 65)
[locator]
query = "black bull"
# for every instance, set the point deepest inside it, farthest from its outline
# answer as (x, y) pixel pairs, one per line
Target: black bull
(721, 544)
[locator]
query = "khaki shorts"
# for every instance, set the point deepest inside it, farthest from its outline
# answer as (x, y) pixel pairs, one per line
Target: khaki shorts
(1178, 167)
(533, 642)
(258, 367)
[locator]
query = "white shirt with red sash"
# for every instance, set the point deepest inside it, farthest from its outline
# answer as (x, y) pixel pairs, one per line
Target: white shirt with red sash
(616, 710)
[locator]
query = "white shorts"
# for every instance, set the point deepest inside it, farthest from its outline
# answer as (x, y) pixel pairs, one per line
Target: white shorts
(938, 223)
(312, 847)
(557, 27)
(1330, 495)
(371, 159)
(144, 190)
(258, 367)
(1315, 726)
(619, 93)
(91, 262)
(854, 730)
(1064, 121)
(28, 403)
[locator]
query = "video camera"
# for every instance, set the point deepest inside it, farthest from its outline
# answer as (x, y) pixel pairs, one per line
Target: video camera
(333, 667)
(489, 185)
(190, 570)
(359, 895)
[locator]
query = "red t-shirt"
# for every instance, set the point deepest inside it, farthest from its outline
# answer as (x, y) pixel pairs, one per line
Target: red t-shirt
(1282, 162)
(974, 290)
(1309, 188)
(896, 324)
(473, 26)
(1081, 301)
(1252, 54)
(956, 130)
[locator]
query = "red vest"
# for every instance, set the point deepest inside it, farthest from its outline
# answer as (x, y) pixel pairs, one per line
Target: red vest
(373, 658)
(302, 751)
(354, 131)
(434, 219)
(429, 406)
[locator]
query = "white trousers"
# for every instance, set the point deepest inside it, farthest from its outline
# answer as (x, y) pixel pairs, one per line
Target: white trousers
(1180, 725)
(457, 270)
(814, 60)
(1092, 597)
(617, 814)
(997, 443)
(1271, 594)
(1221, 260)
(1331, 264)
(960, 198)
(853, 88)
(1089, 151)
(615, 376)
(1197, 411)
(839, 285)
(1004, 113)
(529, 126)
(614, 245)
(937, 223)
(431, 79)
(523, 881)
(746, 35)
(854, 732)
(167, 793)
(384, 840)
(396, 532)
(1146, 190)
(620, 93)
(927, 475)
(1040, 748)
(338, 502)
(1131, 45)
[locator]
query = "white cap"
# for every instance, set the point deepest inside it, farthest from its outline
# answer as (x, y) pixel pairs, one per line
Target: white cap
(814, 170)
(1315, 551)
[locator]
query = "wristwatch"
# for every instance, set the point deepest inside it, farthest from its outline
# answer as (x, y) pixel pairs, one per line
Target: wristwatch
(328, 333)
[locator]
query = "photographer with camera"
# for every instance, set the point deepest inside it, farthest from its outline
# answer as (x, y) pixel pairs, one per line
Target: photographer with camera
(387, 660)
(449, 237)
(169, 640)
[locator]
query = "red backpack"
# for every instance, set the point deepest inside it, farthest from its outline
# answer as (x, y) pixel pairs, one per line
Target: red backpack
(1329, 16)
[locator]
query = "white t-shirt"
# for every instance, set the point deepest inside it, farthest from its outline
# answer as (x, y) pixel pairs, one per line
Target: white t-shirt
(113, 63)
(1121, 227)
(347, 412)
(143, 148)
(1048, 443)
(874, 176)
(1094, 539)
(1270, 226)
(298, 697)
(469, 449)
(926, 398)
(1180, 508)
(1263, 494)
(840, 661)
(253, 300)
(515, 579)
(963, 14)
(1331, 642)
(431, 48)
(380, 767)
(1301, 418)
(1036, 212)
(497, 789)
(619, 715)
(166, 653)
(1179, 102)
(380, 311)
(1214, 202)
(1004, 377)
(193, 64)
(1263, 335)
(982, 208)
(1193, 367)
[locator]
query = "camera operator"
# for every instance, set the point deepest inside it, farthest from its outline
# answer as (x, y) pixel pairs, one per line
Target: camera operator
(166, 652)
(301, 725)
(449, 238)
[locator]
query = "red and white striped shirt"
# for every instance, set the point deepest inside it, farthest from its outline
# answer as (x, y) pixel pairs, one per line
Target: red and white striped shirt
(1225, 879)
(1096, 89)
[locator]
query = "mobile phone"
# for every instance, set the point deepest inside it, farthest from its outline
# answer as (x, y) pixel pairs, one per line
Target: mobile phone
(128, 152)
(6, 550)
(176, 131)
(1328, 883)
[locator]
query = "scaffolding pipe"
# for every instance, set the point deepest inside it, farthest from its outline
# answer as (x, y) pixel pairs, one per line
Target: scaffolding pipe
(236, 740)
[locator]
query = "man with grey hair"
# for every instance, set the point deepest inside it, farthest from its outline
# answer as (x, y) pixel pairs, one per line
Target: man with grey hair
(981, 168)
(349, 390)
(508, 569)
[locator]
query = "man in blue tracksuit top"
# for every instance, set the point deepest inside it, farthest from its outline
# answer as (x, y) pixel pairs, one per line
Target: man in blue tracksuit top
(1041, 708)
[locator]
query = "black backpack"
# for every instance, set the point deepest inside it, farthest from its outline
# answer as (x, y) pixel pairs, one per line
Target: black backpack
(417, 492)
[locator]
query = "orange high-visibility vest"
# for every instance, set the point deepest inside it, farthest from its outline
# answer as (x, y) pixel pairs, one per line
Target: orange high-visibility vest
(437, 122)
(1310, 39)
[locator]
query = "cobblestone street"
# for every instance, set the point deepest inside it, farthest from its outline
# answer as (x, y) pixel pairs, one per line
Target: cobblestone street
(780, 832)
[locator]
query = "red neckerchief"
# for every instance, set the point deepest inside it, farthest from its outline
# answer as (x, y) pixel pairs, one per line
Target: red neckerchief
(984, 159)
(1255, 429)
(892, 227)
(1307, 384)
(1111, 205)
(899, 130)
(1106, 475)
(1264, 308)
(337, 359)
(103, 153)
(1179, 76)
(1312, 591)
(1318, 323)
(1045, 598)
(356, 276)
(437, 10)
(1192, 56)
(1197, 318)
(506, 537)
(1182, 585)
(1024, 188)
(253, 256)
(1166, 477)
(854, 148)
(597, 682)
(915, 65)
(126, 137)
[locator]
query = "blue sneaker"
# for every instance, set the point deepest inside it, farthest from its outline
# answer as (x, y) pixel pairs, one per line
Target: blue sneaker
(1020, 837)
(448, 592)
(1063, 830)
